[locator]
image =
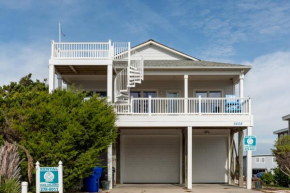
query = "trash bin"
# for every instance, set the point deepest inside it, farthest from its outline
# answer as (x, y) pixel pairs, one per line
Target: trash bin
(258, 185)
(92, 183)
(104, 179)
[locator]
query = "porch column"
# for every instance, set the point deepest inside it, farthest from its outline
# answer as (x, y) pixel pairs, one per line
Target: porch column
(241, 137)
(59, 81)
(231, 158)
(249, 163)
(242, 76)
(186, 93)
(51, 77)
(109, 98)
(189, 158)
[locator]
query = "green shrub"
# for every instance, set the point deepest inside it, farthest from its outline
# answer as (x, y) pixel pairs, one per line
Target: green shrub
(267, 178)
(280, 178)
(10, 186)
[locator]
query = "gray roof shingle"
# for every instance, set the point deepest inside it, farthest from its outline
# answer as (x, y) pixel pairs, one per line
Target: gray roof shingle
(188, 63)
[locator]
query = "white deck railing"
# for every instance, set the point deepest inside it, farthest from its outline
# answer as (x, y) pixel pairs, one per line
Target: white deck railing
(194, 106)
(81, 50)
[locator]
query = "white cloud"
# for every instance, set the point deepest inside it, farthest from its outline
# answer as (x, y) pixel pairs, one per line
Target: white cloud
(268, 84)
(19, 60)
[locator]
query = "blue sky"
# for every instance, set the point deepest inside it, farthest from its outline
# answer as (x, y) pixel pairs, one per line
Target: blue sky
(250, 32)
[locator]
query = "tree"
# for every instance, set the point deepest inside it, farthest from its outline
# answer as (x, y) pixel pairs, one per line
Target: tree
(282, 154)
(58, 126)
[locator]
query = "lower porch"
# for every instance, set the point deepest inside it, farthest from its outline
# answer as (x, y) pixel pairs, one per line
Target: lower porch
(178, 155)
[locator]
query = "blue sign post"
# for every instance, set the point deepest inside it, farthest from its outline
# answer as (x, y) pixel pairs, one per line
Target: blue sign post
(250, 143)
(49, 179)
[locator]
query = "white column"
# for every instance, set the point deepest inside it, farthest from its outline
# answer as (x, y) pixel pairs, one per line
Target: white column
(110, 82)
(110, 148)
(189, 158)
(60, 177)
(59, 81)
(37, 177)
(242, 76)
(249, 163)
(24, 187)
(241, 151)
(186, 93)
(51, 76)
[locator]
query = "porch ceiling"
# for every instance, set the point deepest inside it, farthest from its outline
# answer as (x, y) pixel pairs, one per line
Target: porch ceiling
(81, 70)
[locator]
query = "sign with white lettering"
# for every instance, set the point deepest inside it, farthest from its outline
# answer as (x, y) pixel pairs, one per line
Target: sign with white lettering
(250, 143)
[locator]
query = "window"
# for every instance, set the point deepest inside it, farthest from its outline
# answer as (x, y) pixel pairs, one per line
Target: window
(210, 106)
(257, 160)
(262, 160)
(173, 105)
(141, 106)
(101, 93)
(273, 159)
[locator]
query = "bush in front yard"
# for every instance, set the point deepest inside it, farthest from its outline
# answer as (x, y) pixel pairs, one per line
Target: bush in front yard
(280, 178)
(267, 178)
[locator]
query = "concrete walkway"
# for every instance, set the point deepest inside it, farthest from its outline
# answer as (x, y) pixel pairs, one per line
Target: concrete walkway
(172, 188)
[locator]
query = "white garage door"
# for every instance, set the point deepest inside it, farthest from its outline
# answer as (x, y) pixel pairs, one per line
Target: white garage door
(150, 158)
(209, 159)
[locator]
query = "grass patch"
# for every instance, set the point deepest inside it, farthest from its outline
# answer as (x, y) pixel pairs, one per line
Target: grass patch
(274, 187)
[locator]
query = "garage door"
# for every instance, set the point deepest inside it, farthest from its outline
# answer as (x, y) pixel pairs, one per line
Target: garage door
(150, 158)
(209, 159)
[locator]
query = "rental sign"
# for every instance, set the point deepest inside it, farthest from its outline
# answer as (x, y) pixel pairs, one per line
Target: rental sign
(250, 143)
(49, 179)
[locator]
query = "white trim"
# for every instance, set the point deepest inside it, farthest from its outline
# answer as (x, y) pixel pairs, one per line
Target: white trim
(164, 47)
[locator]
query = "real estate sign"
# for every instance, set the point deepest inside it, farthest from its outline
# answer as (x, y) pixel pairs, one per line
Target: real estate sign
(250, 143)
(49, 179)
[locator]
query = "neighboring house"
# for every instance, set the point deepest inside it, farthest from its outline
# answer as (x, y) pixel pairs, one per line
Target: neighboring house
(177, 115)
(285, 131)
(261, 163)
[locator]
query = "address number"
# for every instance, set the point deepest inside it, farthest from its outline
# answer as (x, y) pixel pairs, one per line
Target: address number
(238, 123)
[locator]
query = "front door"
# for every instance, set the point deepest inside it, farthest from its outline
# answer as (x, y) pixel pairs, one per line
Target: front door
(173, 104)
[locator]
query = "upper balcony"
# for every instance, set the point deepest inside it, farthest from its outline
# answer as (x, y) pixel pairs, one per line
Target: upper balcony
(185, 106)
(88, 52)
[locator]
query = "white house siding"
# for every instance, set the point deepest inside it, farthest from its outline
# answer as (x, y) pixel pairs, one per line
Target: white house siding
(153, 52)
(268, 165)
(162, 86)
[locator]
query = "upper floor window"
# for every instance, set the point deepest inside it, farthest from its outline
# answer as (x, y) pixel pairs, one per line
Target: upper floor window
(262, 160)
(273, 159)
(257, 160)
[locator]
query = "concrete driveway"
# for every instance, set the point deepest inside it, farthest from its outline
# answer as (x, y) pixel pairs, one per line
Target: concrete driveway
(172, 188)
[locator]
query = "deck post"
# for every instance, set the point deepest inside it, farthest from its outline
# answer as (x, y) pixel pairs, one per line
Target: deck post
(51, 82)
(242, 76)
(185, 94)
(241, 178)
(59, 81)
(110, 149)
(189, 158)
(249, 163)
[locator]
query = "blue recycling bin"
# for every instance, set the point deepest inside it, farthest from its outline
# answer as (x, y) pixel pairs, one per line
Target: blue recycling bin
(92, 183)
